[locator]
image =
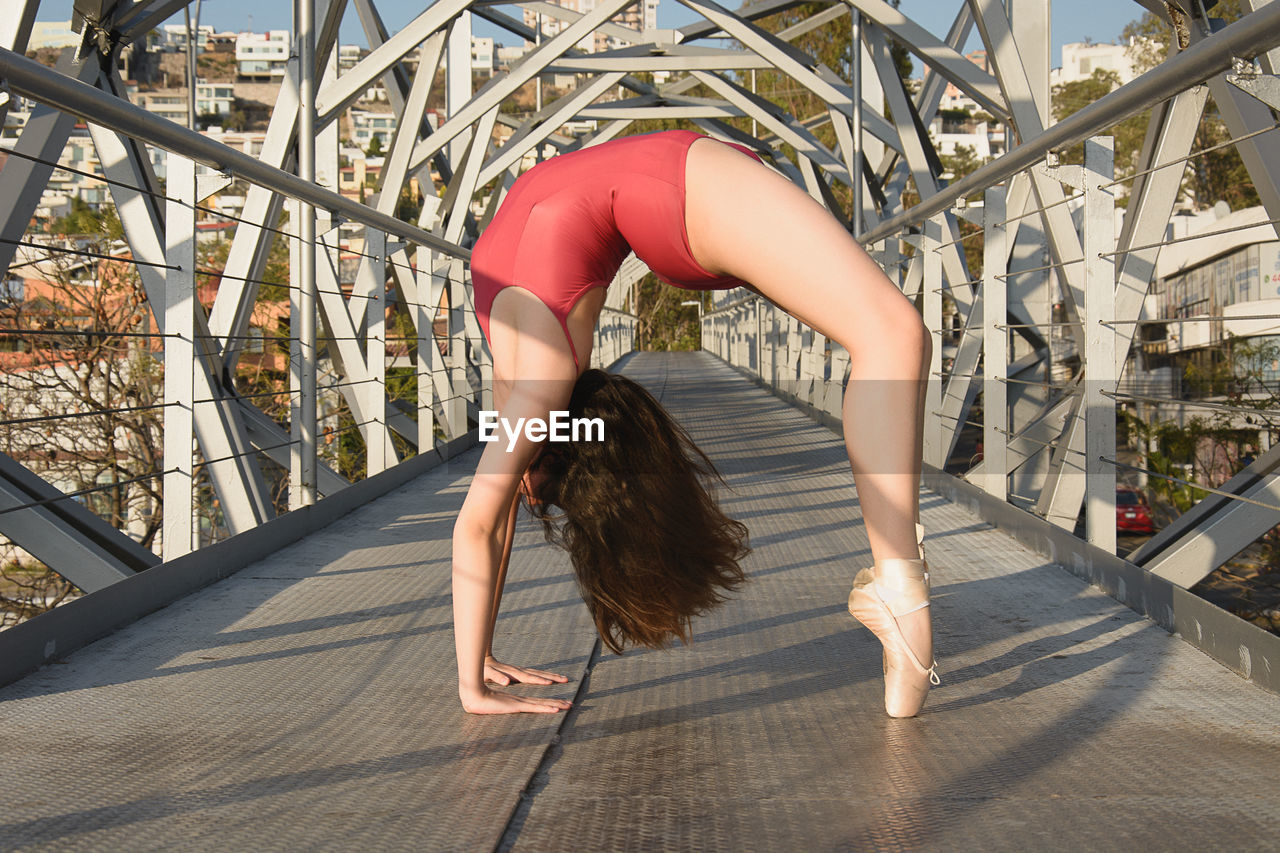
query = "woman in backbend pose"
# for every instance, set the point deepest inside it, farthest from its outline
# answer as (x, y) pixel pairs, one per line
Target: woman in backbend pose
(648, 543)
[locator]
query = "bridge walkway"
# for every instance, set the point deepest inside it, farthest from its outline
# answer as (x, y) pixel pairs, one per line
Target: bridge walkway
(309, 700)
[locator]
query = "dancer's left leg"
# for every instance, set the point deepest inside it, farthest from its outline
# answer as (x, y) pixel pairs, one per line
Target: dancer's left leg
(746, 221)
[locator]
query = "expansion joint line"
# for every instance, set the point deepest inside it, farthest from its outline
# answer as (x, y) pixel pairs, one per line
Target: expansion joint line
(511, 832)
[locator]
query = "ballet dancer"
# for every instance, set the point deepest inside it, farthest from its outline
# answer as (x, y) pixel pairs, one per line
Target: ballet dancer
(648, 543)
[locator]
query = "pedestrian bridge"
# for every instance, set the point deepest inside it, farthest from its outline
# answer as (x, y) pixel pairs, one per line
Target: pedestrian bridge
(307, 700)
(256, 487)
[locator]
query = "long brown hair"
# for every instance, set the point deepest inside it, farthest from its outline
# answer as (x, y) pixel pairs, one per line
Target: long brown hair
(648, 542)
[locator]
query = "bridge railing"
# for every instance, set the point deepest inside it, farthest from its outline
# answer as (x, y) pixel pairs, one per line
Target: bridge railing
(324, 342)
(1036, 276)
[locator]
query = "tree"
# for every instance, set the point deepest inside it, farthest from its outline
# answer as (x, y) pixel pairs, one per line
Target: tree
(666, 324)
(1218, 175)
(81, 382)
(375, 146)
(1070, 98)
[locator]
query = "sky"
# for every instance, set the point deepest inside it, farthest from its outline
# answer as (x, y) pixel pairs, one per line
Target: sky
(1073, 20)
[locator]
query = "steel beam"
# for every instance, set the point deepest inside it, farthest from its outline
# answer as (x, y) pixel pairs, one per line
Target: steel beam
(33, 80)
(1247, 37)
(936, 54)
(234, 474)
(1217, 528)
(15, 29)
(179, 308)
(331, 101)
(22, 181)
(541, 125)
(499, 88)
(1244, 114)
(995, 346)
(303, 320)
(63, 534)
(1100, 342)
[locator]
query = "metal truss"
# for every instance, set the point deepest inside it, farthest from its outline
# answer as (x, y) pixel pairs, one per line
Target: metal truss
(860, 154)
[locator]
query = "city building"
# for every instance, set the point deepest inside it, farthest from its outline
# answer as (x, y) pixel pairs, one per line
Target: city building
(212, 99)
(482, 54)
(53, 34)
(951, 133)
(173, 37)
(1211, 297)
(642, 15)
(955, 99)
(366, 125)
(349, 55)
(1081, 59)
(263, 56)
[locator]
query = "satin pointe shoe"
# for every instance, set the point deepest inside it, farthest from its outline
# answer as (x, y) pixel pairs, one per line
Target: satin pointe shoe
(880, 597)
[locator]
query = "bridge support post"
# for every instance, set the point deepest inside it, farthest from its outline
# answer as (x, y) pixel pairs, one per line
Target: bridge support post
(995, 346)
(1100, 343)
(377, 438)
(179, 357)
(935, 443)
(303, 491)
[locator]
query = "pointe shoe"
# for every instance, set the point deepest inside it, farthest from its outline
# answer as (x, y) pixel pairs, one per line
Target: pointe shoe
(878, 599)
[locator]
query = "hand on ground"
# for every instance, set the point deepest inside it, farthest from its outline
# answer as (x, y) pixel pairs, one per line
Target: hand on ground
(502, 674)
(493, 702)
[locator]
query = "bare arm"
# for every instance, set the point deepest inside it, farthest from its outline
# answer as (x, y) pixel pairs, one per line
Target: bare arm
(478, 542)
(496, 672)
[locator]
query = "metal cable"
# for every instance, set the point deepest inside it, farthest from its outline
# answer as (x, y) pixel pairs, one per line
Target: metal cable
(103, 178)
(1205, 404)
(88, 491)
(1200, 319)
(1208, 489)
(950, 243)
(238, 396)
(1190, 156)
(970, 283)
(82, 332)
(1187, 239)
(1040, 210)
(1041, 269)
(73, 415)
(206, 462)
(87, 254)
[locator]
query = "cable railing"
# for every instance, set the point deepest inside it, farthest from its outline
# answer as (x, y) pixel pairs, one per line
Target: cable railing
(1033, 398)
(394, 354)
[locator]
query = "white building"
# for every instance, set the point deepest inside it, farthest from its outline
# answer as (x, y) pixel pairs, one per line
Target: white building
(1081, 59)
(1207, 293)
(955, 99)
(211, 99)
(263, 55)
(986, 139)
(173, 37)
(505, 57)
(482, 54)
(642, 15)
(366, 125)
(54, 34)
(349, 56)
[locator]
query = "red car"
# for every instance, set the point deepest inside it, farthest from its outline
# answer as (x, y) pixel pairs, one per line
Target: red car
(1133, 515)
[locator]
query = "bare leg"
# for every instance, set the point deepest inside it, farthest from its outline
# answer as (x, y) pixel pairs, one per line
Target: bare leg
(748, 222)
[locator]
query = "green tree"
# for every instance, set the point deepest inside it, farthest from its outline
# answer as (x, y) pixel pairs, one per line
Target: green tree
(1218, 175)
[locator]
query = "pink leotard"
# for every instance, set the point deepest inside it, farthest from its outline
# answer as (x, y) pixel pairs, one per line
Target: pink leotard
(568, 223)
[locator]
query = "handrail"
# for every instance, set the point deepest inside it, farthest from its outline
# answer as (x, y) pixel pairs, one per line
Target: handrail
(1246, 38)
(30, 79)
